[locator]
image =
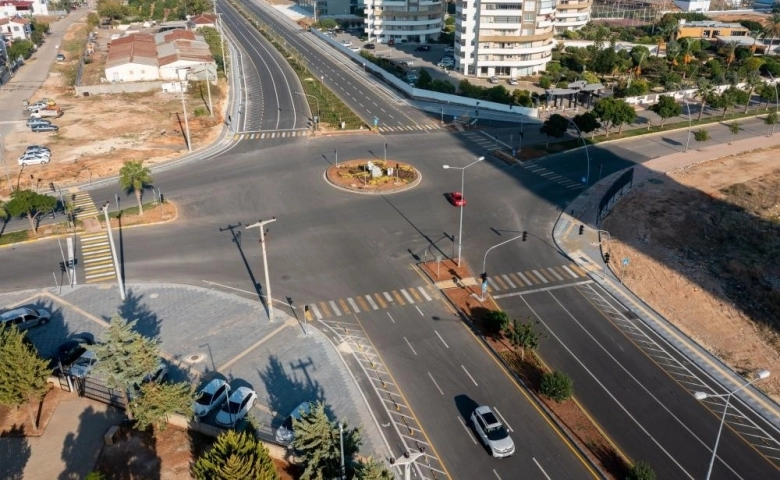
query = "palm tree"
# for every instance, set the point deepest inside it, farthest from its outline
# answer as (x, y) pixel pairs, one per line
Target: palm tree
(752, 82)
(772, 29)
(705, 92)
(134, 178)
(664, 32)
(729, 51)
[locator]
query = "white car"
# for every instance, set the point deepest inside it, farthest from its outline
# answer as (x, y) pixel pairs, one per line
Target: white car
(346, 43)
(237, 406)
(284, 434)
(493, 79)
(210, 397)
(446, 62)
(355, 49)
(492, 432)
(35, 158)
(512, 81)
(84, 364)
(449, 50)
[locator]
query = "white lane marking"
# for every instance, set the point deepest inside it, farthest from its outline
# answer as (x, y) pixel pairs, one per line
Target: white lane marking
(570, 271)
(418, 309)
(467, 373)
(540, 468)
(540, 276)
(371, 301)
(442, 340)
(391, 318)
(353, 305)
(468, 430)
(560, 278)
(434, 382)
(316, 311)
(545, 289)
(509, 281)
(335, 308)
(496, 474)
(525, 279)
(408, 297)
(424, 293)
(493, 284)
(503, 420)
(411, 347)
(388, 297)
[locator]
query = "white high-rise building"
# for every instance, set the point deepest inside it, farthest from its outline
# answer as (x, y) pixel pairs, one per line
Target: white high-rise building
(504, 38)
(410, 20)
(572, 14)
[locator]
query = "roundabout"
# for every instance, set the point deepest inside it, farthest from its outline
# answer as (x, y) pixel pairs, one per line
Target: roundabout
(373, 176)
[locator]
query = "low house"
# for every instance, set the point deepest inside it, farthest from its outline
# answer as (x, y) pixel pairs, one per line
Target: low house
(742, 41)
(15, 28)
(10, 8)
(181, 49)
(709, 29)
(132, 59)
(204, 20)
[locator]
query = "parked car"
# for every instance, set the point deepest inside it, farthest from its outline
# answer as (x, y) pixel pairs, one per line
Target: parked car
(391, 42)
(493, 79)
(369, 46)
(456, 199)
(37, 148)
(211, 396)
(492, 432)
(60, 57)
(237, 406)
(84, 364)
(55, 112)
(355, 49)
(512, 81)
(159, 375)
(37, 121)
(35, 158)
(69, 351)
(346, 43)
(423, 48)
(446, 63)
(449, 49)
(38, 105)
(44, 127)
(407, 62)
(24, 318)
(284, 434)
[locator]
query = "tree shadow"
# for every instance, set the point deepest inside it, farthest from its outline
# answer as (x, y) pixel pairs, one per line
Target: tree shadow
(285, 392)
(88, 438)
(148, 323)
(15, 452)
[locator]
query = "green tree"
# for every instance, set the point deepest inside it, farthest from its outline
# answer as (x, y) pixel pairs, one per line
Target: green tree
(731, 97)
(327, 24)
(665, 31)
(370, 469)
(555, 126)
(214, 40)
(235, 456)
(93, 20)
(705, 93)
(134, 178)
(586, 122)
(523, 336)
(496, 321)
(545, 82)
(157, 401)
(701, 135)
(752, 83)
(641, 470)
(31, 205)
(424, 80)
(112, 9)
(614, 112)
(317, 442)
(772, 29)
(734, 129)
(557, 385)
(125, 357)
(23, 373)
(20, 48)
(666, 108)
(439, 85)
(767, 93)
(771, 120)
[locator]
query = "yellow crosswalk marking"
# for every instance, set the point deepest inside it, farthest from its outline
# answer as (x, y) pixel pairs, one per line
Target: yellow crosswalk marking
(362, 303)
(578, 270)
(517, 280)
(500, 282)
(398, 298)
(344, 307)
(415, 294)
(380, 300)
(325, 310)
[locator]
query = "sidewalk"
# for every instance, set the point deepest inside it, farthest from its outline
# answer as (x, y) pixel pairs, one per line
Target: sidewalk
(585, 250)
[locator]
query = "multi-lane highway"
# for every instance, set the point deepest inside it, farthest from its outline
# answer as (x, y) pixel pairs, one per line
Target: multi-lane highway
(330, 247)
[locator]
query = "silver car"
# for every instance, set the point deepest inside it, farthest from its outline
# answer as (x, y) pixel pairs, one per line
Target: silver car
(35, 158)
(492, 432)
(83, 365)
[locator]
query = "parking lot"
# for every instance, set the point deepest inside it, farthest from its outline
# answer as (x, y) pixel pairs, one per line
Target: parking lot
(204, 333)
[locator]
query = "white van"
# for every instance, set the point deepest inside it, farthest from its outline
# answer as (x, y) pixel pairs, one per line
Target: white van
(25, 318)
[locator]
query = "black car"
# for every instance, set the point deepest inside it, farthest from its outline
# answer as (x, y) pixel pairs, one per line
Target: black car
(69, 351)
(423, 48)
(369, 46)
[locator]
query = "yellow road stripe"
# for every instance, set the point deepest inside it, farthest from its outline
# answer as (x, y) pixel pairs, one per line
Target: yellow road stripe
(579, 270)
(415, 295)
(325, 310)
(362, 303)
(518, 281)
(500, 282)
(380, 300)
(533, 278)
(344, 307)
(398, 298)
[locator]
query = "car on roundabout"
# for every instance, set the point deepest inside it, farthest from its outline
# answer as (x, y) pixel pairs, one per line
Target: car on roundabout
(456, 199)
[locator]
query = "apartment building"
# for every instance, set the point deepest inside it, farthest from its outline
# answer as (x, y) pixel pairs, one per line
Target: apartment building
(572, 15)
(504, 38)
(418, 21)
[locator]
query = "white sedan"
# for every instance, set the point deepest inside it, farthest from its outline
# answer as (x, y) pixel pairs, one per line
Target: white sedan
(237, 406)
(210, 397)
(346, 43)
(35, 158)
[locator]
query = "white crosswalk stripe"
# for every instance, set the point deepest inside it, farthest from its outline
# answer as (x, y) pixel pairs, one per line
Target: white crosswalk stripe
(316, 311)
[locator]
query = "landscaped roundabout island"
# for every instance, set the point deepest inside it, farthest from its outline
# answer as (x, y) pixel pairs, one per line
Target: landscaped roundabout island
(373, 176)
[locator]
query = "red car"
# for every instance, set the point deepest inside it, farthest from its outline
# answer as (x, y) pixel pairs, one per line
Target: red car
(456, 198)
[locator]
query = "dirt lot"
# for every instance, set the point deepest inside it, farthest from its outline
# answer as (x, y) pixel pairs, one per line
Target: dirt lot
(99, 133)
(703, 247)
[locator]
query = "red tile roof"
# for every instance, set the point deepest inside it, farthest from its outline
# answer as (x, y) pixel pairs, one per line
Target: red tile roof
(203, 19)
(138, 48)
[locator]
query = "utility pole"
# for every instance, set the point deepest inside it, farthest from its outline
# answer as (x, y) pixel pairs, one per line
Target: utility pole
(119, 280)
(267, 287)
(182, 85)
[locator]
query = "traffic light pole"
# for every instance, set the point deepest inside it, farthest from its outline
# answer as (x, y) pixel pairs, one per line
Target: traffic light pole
(484, 260)
(267, 287)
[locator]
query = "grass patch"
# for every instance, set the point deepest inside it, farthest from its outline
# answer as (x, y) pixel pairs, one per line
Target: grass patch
(332, 110)
(132, 210)
(14, 237)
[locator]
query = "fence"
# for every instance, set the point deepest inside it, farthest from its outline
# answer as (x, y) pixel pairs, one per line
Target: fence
(613, 194)
(96, 389)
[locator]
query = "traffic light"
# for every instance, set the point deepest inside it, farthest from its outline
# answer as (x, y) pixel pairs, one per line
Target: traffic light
(51, 187)
(582, 229)
(606, 257)
(483, 276)
(525, 236)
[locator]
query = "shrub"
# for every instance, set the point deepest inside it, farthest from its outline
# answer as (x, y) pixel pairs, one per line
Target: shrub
(200, 111)
(496, 321)
(641, 470)
(557, 386)
(545, 82)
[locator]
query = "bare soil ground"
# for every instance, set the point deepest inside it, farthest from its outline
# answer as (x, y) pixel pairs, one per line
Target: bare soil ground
(99, 133)
(703, 245)
(16, 421)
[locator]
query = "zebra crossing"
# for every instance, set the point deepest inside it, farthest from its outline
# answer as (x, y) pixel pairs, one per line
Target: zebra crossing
(268, 135)
(552, 176)
(536, 278)
(96, 259)
(82, 205)
(427, 127)
(375, 301)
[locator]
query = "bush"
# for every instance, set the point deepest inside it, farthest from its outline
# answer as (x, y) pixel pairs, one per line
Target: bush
(641, 470)
(545, 82)
(557, 386)
(496, 321)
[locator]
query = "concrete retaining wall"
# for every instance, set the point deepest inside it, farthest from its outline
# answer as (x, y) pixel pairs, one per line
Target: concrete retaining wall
(116, 88)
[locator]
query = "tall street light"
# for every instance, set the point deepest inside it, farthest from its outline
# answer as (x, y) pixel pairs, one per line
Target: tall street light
(120, 282)
(267, 287)
(584, 144)
(184, 107)
(762, 374)
(318, 106)
(777, 101)
(690, 122)
(462, 181)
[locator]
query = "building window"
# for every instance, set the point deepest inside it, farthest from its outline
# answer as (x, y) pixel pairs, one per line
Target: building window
(529, 17)
(530, 6)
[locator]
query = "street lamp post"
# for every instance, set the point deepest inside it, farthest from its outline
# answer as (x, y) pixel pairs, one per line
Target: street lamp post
(484, 260)
(184, 108)
(690, 121)
(762, 374)
(462, 185)
(318, 106)
(261, 224)
(777, 101)
(407, 462)
(120, 282)
(585, 145)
